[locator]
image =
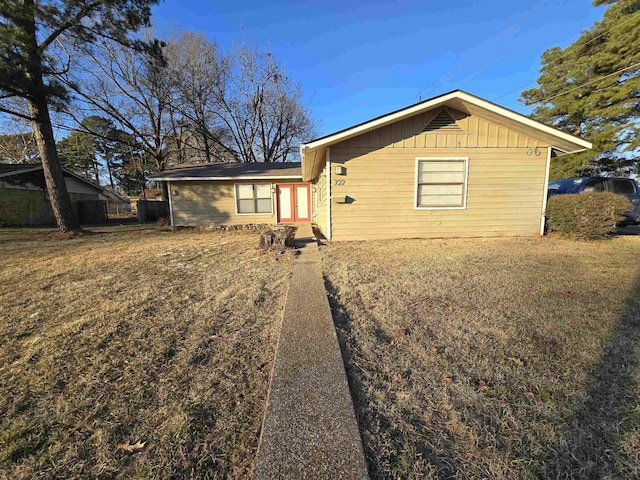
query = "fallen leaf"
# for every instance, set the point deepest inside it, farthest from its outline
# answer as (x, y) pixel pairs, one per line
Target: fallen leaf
(434, 349)
(568, 294)
(484, 388)
(399, 332)
(517, 361)
(130, 447)
(447, 379)
(530, 395)
(398, 376)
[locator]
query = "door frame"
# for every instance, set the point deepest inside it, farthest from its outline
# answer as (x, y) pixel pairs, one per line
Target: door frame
(294, 202)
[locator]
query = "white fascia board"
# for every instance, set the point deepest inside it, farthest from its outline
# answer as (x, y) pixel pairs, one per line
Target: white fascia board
(428, 105)
(524, 120)
(180, 179)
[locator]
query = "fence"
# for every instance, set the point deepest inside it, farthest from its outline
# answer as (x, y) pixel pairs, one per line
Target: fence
(152, 210)
(92, 211)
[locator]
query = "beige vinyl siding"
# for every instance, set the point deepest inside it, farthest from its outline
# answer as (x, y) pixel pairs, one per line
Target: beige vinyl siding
(207, 203)
(475, 132)
(506, 177)
(321, 207)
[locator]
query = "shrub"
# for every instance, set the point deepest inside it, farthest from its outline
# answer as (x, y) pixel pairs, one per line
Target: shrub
(587, 215)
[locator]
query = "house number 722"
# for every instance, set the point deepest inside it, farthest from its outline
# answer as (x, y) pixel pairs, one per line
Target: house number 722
(341, 182)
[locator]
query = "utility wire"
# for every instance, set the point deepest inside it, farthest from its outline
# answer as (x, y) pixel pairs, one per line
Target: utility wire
(589, 83)
(567, 52)
(455, 69)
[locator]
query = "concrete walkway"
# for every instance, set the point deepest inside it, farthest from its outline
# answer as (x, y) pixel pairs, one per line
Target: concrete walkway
(309, 429)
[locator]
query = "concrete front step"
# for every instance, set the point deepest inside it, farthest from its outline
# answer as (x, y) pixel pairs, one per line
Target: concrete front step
(309, 429)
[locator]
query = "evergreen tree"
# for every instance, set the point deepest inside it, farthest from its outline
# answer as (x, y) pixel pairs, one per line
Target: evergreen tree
(77, 152)
(31, 62)
(592, 89)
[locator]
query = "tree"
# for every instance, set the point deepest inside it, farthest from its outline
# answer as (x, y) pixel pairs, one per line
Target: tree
(18, 148)
(198, 135)
(129, 88)
(77, 152)
(33, 37)
(109, 144)
(592, 89)
(261, 106)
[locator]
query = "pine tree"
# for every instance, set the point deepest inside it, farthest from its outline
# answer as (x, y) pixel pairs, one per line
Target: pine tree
(30, 32)
(592, 89)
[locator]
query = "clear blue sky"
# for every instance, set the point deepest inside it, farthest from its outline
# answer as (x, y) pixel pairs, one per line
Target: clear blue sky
(358, 60)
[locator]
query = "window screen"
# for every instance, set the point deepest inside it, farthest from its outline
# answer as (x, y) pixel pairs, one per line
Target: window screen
(441, 183)
(253, 198)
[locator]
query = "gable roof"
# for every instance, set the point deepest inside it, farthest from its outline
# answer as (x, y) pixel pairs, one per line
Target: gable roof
(12, 169)
(233, 171)
(114, 196)
(313, 152)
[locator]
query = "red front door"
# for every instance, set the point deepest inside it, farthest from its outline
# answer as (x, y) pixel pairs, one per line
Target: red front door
(294, 203)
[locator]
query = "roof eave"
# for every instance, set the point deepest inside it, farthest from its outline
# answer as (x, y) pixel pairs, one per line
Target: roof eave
(579, 143)
(222, 179)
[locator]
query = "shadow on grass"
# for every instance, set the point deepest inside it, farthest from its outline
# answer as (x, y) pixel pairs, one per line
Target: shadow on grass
(588, 445)
(371, 421)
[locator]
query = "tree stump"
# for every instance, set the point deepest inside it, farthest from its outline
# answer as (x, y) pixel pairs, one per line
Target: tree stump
(266, 240)
(278, 239)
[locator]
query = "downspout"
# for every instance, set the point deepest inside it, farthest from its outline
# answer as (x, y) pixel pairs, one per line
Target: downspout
(545, 191)
(170, 203)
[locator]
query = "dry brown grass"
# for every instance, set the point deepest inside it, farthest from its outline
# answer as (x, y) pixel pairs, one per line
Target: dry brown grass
(140, 335)
(497, 358)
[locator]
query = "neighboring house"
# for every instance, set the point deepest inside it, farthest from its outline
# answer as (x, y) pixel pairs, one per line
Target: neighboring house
(451, 166)
(149, 194)
(24, 199)
(116, 203)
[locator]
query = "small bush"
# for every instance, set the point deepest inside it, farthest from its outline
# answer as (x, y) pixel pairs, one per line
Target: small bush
(587, 215)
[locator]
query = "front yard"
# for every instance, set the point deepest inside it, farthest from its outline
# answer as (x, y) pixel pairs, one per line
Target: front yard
(135, 336)
(495, 358)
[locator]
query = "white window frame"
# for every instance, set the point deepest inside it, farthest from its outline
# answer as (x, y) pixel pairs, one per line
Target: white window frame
(441, 159)
(235, 197)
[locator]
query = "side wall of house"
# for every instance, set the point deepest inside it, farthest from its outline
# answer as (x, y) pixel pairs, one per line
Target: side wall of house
(209, 203)
(21, 206)
(505, 186)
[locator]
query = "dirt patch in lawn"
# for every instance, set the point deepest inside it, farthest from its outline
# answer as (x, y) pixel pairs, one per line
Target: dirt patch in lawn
(132, 336)
(498, 358)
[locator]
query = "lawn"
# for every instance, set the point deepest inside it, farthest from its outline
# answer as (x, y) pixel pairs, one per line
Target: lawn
(130, 336)
(495, 358)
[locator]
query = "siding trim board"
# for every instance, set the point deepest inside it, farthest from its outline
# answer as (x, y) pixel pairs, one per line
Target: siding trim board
(328, 189)
(170, 204)
(543, 215)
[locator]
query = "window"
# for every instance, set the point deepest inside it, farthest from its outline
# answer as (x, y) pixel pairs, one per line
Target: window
(595, 185)
(253, 198)
(624, 187)
(441, 183)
